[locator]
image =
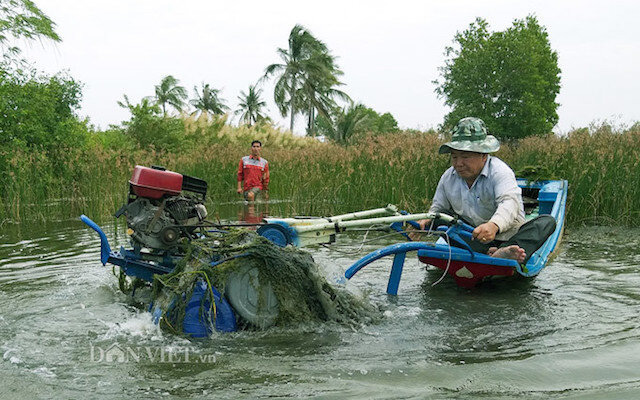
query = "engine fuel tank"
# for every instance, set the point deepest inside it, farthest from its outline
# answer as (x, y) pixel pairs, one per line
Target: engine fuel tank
(154, 183)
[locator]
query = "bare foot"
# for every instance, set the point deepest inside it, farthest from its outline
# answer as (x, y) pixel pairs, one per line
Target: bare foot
(513, 252)
(491, 251)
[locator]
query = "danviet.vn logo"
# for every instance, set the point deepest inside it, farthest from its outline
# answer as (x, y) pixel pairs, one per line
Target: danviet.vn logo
(117, 353)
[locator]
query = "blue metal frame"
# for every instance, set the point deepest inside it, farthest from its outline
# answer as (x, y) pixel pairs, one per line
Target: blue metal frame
(399, 251)
(195, 324)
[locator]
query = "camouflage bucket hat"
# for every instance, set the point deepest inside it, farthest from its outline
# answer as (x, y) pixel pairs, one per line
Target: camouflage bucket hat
(470, 134)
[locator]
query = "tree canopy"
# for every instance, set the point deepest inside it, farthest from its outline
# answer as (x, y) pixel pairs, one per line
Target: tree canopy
(207, 100)
(170, 92)
(39, 111)
(509, 79)
(306, 79)
(22, 19)
(354, 121)
(250, 106)
(148, 128)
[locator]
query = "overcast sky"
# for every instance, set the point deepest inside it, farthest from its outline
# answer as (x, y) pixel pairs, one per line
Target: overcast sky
(389, 51)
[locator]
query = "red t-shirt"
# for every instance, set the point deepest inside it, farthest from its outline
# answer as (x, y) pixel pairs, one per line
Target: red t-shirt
(254, 172)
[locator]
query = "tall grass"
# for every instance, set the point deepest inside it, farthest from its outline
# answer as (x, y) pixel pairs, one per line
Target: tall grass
(602, 168)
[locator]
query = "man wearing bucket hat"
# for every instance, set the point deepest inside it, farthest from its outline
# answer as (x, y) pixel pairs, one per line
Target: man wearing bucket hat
(482, 190)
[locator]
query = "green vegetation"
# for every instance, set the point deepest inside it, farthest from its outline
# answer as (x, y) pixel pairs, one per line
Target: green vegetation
(250, 106)
(38, 112)
(306, 79)
(509, 79)
(207, 101)
(22, 20)
(54, 165)
(150, 130)
(321, 179)
(168, 92)
(354, 122)
(302, 292)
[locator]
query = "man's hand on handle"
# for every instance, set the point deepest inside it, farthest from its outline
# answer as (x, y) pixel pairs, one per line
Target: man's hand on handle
(485, 233)
(424, 224)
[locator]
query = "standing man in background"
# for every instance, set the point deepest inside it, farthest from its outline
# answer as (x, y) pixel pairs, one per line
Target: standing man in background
(254, 172)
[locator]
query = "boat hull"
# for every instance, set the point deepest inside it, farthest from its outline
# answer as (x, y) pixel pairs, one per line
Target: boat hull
(468, 274)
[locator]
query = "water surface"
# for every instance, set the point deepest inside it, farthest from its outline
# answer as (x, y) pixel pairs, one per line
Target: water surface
(573, 332)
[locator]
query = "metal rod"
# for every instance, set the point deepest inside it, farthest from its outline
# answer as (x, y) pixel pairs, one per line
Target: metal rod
(371, 221)
(390, 209)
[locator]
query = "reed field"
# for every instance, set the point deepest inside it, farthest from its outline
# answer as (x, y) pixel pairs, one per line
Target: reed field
(312, 178)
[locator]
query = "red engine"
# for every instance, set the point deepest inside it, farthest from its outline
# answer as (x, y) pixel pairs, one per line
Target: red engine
(163, 207)
(155, 183)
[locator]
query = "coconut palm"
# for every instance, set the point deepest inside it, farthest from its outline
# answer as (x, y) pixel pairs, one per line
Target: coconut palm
(207, 101)
(305, 76)
(345, 123)
(169, 92)
(250, 106)
(318, 93)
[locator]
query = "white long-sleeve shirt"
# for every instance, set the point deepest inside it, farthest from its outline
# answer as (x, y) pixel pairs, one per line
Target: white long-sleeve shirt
(494, 196)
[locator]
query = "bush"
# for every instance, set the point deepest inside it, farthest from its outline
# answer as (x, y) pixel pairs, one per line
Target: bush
(39, 111)
(149, 129)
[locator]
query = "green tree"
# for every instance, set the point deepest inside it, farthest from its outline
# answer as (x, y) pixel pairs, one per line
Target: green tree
(169, 92)
(386, 123)
(377, 123)
(509, 79)
(39, 111)
(344, 124)
(306, 77)
(150, 129)
(356, 120)
(207, 100)
(22, 19)
(318, 93)
(250, 106)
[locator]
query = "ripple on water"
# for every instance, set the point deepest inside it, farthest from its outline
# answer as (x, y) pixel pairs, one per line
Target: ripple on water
(573, 331)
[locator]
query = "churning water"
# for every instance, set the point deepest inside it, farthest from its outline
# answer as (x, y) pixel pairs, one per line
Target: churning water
(66, 331)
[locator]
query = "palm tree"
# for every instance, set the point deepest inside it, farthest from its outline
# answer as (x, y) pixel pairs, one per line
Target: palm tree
(346, 123)
(250, 106)
(169, 92)
(305, 76)
(207, 101)
(319, 93)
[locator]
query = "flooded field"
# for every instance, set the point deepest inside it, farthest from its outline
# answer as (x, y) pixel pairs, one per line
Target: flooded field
(66, 331)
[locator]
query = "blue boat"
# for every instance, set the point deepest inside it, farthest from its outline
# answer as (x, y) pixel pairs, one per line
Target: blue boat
(468, 268)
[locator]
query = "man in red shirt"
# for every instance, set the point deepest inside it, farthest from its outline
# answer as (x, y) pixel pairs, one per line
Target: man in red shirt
(254, 172)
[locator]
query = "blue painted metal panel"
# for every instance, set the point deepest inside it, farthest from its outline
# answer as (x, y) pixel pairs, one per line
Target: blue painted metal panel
(539, 259)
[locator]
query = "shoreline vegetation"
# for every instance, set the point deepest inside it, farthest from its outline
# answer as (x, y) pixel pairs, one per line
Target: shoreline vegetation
(54, 165)
(312, 178)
